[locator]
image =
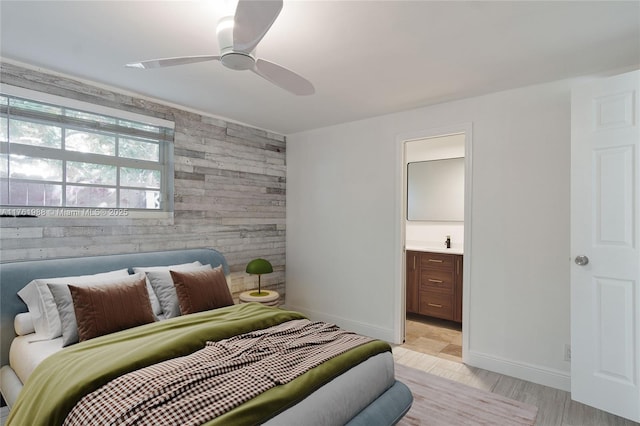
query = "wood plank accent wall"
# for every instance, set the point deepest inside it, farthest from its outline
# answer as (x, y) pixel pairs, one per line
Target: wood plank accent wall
(230, 188)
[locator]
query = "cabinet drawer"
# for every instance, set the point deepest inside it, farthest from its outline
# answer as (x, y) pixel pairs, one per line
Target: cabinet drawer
(436, 280)
(436, 260)
(436, 304)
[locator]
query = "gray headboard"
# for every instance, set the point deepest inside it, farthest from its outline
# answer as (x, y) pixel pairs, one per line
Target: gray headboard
(15, 275)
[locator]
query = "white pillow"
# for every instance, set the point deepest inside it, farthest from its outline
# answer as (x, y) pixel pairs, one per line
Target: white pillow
(39, 300)
(162, 284)
(23, 324)
(64, 302)
(155, 303)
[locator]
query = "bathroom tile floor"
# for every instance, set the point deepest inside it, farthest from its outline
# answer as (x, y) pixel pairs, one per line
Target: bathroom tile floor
(434, 336)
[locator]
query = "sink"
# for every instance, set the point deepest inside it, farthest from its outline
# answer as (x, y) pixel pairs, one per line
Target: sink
(434, 247)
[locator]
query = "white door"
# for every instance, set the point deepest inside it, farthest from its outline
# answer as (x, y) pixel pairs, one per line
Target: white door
(605, 235)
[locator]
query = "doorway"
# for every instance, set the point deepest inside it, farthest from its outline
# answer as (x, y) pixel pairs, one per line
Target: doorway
(442, 334)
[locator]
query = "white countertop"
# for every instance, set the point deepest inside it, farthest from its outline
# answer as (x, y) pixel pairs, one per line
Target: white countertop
(434, 247)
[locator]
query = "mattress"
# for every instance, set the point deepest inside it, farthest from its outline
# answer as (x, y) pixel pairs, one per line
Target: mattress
(26, 353)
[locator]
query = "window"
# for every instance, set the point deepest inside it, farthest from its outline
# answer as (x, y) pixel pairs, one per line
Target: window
(60, 153)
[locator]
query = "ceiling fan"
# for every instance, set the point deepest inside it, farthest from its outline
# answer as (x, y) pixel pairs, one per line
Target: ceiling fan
(238, 37)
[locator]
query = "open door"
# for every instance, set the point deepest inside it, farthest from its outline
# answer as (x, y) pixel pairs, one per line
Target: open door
(605, 235)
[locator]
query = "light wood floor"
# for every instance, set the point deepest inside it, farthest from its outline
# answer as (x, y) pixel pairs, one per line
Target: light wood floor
(425, 349)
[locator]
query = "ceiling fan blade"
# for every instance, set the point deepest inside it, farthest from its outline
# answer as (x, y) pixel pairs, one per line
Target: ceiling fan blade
(252, 21)
(284, 78)
(169, 62)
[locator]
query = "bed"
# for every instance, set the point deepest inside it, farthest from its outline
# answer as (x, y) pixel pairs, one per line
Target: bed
(44, 383)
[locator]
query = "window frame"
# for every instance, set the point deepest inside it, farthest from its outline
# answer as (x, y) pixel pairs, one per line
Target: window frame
(164, 138)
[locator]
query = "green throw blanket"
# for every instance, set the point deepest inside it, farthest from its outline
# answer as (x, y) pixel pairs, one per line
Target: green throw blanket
(61, 380)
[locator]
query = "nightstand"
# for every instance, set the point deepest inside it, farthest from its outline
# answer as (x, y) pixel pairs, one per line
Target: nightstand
(271, 298)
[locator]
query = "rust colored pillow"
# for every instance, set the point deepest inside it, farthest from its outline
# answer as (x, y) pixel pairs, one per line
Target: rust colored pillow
(201, 290)
(106, 309)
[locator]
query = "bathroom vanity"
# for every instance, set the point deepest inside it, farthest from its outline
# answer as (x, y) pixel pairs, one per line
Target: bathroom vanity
(434, 284)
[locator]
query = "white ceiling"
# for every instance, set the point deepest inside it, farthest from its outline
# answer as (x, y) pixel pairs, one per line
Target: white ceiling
(365, 58)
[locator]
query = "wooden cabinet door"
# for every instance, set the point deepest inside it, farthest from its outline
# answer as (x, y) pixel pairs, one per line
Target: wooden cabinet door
(434, 284)
(412, 277)
(457, 307)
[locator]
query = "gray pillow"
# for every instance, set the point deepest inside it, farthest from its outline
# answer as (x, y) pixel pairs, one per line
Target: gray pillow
(64, 303)
(162, 284)
(155, 303)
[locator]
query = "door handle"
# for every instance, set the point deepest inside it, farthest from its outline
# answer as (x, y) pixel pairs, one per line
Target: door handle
(581, 260)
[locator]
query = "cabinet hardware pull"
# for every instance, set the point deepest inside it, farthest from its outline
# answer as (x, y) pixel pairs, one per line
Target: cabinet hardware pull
(414, 262)
(435, 260)
(434, 281)
(435, 305)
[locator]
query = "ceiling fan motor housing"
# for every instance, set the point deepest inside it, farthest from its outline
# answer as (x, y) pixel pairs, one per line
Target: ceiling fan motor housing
(230, 58)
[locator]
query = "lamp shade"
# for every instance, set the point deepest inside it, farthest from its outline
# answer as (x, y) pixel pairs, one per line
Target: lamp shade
(259, 266)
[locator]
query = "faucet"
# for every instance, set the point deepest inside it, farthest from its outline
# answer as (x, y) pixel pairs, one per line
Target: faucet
(448, 241)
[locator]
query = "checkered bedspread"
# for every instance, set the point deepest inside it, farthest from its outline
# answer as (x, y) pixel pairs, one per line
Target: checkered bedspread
(194, 389)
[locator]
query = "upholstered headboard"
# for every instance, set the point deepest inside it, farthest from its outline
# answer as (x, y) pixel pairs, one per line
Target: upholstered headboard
(15, 275)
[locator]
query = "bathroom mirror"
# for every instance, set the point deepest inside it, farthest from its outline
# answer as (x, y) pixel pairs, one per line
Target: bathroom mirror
(435, 190)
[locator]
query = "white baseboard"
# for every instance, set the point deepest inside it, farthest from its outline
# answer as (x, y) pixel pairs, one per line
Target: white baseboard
(347, 324)
(533, 373)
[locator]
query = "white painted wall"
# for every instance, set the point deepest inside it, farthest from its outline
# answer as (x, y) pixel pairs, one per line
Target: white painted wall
(344, 259)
